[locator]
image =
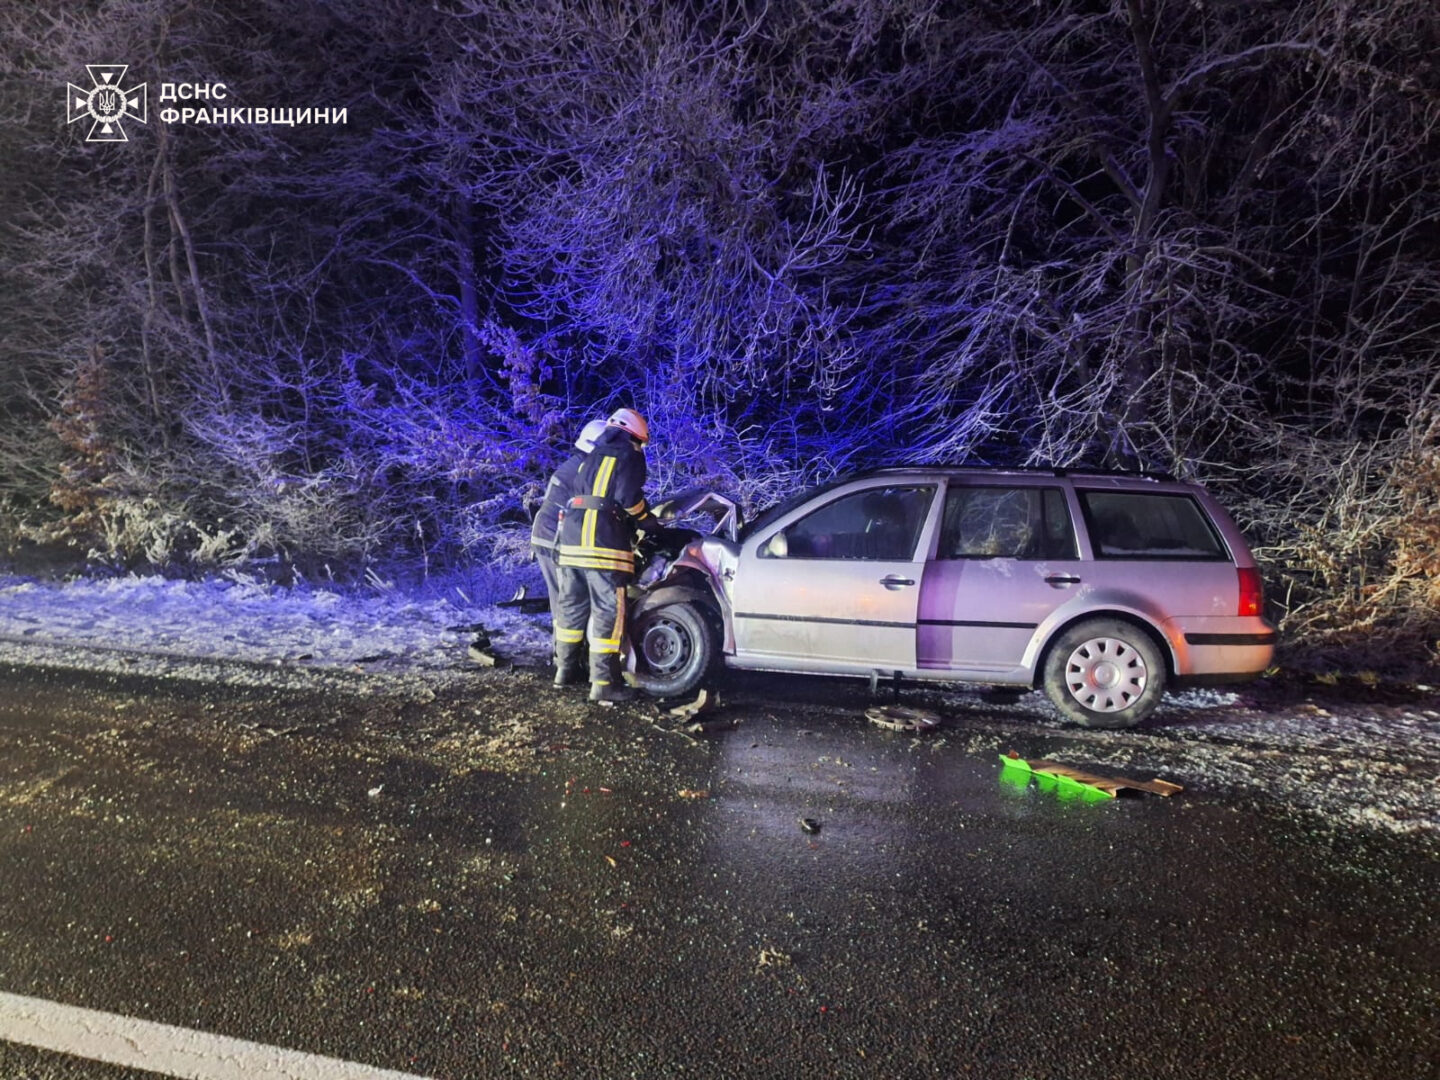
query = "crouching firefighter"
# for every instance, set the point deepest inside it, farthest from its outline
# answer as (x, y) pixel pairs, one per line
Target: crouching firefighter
(596, 555)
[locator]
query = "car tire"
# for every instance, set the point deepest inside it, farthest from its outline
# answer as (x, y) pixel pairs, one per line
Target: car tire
(1105, 673)
(674, 647)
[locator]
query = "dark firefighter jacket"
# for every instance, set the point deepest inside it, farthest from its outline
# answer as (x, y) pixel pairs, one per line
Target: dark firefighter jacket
(561, 486)
(607, 503)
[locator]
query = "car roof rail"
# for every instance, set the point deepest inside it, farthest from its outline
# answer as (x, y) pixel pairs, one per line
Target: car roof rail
(1044, 470)
(1143, 474)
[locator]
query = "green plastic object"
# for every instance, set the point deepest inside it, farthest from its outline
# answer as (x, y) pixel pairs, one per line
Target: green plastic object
(1065, 788)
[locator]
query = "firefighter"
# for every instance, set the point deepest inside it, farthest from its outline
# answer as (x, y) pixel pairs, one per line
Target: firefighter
(543, 530)
(597, 544)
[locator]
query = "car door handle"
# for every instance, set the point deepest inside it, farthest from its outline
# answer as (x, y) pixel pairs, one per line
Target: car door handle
(1058, 580)
(895, 581)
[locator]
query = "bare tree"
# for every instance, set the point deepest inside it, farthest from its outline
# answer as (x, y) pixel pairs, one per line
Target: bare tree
(802, 236)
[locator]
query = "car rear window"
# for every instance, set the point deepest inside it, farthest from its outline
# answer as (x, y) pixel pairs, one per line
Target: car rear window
(1146, 525)
(993, 522)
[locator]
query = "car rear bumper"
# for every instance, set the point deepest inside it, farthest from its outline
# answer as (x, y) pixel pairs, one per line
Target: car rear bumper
(1221, 647)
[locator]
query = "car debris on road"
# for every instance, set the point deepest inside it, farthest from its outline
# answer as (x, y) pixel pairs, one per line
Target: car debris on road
(702, 703)
(1109, 786)
(902, 718)
(522, 601)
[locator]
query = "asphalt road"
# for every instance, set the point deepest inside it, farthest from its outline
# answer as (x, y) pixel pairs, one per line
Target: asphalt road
(507, 883)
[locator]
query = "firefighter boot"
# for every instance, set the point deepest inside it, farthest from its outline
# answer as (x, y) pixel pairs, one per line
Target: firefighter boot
(611, 693)
(569, 665)
(610, 689)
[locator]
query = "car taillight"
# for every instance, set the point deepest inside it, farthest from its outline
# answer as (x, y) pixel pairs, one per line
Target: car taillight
(1252, 591)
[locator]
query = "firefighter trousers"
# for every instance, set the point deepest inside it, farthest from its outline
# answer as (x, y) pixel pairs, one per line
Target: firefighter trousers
(550, 571)
(592, 611)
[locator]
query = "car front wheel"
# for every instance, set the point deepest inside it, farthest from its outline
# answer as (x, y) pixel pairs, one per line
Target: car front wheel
(1105, 673)
(674, 648)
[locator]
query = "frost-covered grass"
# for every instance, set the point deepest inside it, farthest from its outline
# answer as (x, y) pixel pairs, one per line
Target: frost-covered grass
(141, 622)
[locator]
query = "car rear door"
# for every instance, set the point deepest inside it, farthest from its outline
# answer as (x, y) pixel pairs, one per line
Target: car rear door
(1006, 559)
(836, 585)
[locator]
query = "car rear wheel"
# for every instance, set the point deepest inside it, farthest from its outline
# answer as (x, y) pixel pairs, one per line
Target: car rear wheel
(1105, 673)
(674, 648)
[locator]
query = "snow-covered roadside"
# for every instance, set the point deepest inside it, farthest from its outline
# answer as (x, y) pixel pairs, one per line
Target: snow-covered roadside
(1374, 764)
(252, 632)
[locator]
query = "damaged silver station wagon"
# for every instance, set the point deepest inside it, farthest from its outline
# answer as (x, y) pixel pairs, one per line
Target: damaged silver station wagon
(1104, 589)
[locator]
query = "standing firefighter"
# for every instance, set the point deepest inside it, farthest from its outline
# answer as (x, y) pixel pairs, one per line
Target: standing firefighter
(597, 555)
(544, 529)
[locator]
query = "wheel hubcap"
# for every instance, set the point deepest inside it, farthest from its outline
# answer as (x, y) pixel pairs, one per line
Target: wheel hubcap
(664, 646)
(1106, 674)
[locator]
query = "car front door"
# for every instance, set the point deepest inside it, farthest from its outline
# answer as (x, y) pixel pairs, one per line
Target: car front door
(1005, 561)
(837, 587)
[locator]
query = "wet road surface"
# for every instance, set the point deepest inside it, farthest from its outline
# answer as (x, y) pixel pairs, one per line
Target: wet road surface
(510, 884)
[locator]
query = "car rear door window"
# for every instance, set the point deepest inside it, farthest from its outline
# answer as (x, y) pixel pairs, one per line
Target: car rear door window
(1146, 525)
(995, 522)
(881, 523)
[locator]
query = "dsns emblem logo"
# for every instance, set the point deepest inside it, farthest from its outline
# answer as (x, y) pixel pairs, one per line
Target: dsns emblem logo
(108, 102)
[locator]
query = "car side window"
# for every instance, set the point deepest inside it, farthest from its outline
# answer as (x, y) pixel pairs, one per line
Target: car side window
(881, 524)
(995, 522)
(1144, 525)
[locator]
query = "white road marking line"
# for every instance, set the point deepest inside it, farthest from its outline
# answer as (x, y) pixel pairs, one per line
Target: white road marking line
(170, 1051)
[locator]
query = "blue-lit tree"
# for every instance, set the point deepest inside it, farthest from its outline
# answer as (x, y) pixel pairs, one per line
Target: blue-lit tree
(665, 224)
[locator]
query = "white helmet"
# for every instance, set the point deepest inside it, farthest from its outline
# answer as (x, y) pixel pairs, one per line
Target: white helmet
(631, 421)
(588, 434)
